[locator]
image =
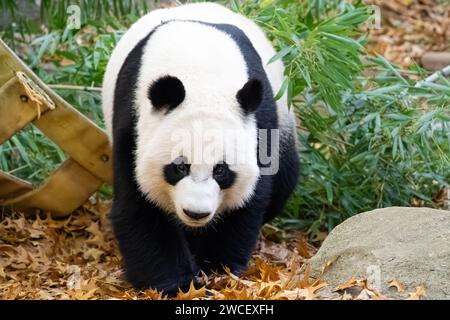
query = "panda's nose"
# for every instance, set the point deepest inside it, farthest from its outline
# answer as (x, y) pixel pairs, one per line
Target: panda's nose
(196, 215)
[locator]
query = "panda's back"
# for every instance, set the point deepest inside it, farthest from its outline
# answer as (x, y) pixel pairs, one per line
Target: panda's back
(197, 50)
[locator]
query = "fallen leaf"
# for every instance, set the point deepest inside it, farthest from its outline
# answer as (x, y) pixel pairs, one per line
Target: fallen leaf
(397, 284)
(274, 251)
(99, 236)
(353, 282)
(419, 293)
(327, 266)
(192, 293)
(302, 248)
(272, 233)
(370, 294)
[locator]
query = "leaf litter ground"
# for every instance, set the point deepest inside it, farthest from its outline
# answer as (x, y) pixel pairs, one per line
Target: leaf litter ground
(77, 258)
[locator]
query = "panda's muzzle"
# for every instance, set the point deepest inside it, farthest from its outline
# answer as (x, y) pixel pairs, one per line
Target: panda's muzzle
(196, 215)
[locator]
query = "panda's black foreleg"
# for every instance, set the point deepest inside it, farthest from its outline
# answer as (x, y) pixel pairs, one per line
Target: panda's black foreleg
(154, 249)
(230, 241)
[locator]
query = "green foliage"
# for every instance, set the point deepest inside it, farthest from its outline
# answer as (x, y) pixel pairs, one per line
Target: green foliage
(75, 58)
(30, 155)
(366, 141)
(319, 53)
(98, 13)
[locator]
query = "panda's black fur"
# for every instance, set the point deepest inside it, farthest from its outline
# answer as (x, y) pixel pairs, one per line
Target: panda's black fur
(157, 251)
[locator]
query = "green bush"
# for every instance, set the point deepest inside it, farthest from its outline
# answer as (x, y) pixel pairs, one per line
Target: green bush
(366, 141)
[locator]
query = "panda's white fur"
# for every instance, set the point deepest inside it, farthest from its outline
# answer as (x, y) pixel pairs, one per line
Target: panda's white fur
(193, 52)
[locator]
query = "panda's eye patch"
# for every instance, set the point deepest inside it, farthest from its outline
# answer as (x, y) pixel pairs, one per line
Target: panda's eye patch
(223, 175)
(176, 170)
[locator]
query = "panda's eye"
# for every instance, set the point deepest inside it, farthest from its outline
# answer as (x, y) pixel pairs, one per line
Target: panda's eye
(224, 176)
(220, 171)
(182, 168)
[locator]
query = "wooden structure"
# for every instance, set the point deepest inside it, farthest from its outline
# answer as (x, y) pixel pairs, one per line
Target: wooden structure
(24, 98)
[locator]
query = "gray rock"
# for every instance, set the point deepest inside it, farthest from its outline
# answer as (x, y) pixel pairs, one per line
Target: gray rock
(411, 245)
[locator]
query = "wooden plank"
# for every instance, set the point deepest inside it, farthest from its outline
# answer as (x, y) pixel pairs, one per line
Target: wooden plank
(67, 189)
(12, 187)
(82, 140)
(16, 109)
(78, 177)
(72, 131)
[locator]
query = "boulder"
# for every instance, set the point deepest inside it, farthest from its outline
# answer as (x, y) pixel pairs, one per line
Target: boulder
(411, 245)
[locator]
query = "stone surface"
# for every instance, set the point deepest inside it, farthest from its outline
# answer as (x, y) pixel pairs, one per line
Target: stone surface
(411, 245)
(435, 61)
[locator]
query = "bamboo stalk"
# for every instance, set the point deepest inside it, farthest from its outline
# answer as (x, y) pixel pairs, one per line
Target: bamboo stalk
(444, 72)
(73, 87)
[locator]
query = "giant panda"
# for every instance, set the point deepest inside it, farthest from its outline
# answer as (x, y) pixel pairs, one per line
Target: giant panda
(184, 204)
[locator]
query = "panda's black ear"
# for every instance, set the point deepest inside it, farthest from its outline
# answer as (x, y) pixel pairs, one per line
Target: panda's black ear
(166, 93)
(250, 96)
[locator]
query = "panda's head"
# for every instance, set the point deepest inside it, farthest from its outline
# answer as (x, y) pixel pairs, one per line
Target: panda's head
(197, 158)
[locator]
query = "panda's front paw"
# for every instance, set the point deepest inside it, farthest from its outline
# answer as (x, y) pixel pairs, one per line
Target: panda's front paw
(235, 268)
(238, 269)
(172, 290)
(169, 286)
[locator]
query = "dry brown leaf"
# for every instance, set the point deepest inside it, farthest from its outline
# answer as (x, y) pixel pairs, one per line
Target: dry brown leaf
(66, 62)
(272, 233)
(83, 295)
(302, 248)
(327, 266)
(192, 293)
(234, 294)
(353, 282)
(419, 293)
(306, 293)
(274, 251)
(99, 237)
(370, 294)
(265, 271)
(93, 254)
(397, 284)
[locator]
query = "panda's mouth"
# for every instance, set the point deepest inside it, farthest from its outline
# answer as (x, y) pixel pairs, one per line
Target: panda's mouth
(196, 215)
(195, 219)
